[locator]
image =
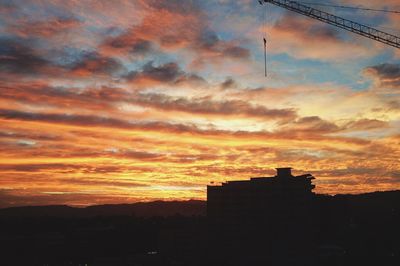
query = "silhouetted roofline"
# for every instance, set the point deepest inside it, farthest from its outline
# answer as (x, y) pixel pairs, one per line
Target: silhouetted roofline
(286, 174)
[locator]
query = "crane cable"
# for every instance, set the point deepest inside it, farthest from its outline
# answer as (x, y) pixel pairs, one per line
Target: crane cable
(265, 41)
(265, 37)
(354, 7)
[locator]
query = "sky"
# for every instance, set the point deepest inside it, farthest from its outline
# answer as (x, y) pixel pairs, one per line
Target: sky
(140, 100)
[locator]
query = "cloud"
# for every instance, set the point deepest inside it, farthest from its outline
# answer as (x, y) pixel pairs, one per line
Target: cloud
(37, 93)
(26, 143)
(16, 57)
(366, 124)
(142, 47)
(209, 44)
(44, 28)
(82, 120)
(228, 83)
(96, 182)
(161, 31)
(136, 47)
(212, 107)
(94, 121)
(37, 167)
(303, 37)
(19, 59)
(394, 105)
(91, 121)
(6, 7)
(314, 125)
(94, 63)
(34, 136)
(310, 125)
(168, 73)
(142, 155)
(385, 75)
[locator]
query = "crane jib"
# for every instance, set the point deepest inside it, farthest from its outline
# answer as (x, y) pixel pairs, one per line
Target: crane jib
(343, 23)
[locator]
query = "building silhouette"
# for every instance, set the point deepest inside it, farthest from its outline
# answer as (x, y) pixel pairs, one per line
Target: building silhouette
(264, 219)
(248, 198)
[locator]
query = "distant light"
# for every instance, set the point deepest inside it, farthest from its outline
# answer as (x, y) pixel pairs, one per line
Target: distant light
(152, 253)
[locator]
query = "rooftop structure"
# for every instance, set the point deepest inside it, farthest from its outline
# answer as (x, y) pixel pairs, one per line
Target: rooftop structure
(247, 198)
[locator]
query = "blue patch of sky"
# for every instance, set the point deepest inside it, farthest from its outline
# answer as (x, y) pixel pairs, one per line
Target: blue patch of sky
(292, 71)
(157, 58)
(68, 56)
(113, 31)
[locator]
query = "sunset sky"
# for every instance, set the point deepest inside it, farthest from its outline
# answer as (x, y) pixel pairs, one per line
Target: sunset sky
(138, 100)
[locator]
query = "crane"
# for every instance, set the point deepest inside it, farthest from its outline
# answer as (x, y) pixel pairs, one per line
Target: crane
(343, 23)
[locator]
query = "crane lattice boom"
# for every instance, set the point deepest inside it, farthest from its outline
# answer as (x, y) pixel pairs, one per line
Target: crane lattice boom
(343, 23)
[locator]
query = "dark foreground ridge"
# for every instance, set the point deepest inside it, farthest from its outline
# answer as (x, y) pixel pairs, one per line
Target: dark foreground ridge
(262, 221)
(140, 209)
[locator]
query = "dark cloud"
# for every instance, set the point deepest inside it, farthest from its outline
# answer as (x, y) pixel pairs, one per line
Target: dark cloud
(175, 6)
(94, 63)
(323, 31)
(311, 124)
(83, 120)
(236, 52)
(136, 47)
(208, 43)
(32, 135)
(43, 28)
(95, 182)
(387, 75)
(366, 124)
(142, 47)
(18, 58)
(395, 175)
(36, 167)
(207, 40)
(296, 155)
(142, 155)
(387, 70)
(228, 83)
(106, 97)
(317, 125)
(165, 73)
(190, 79)
(231, 171)
(394, 105)
(391, 105)
(98, 121)
(7, 7)
(95, 121)
(349, 171)
(93, 98)
(67, 168)
(207, 106)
